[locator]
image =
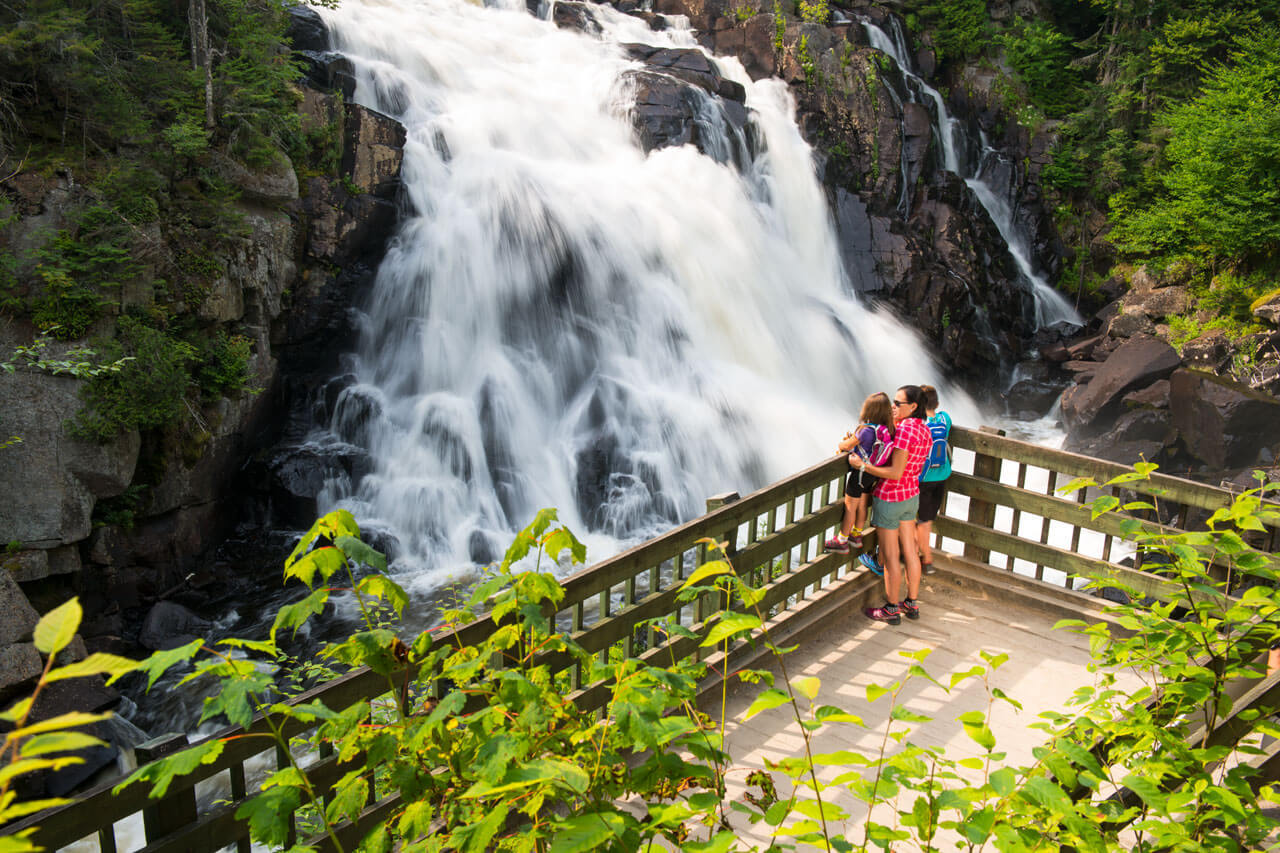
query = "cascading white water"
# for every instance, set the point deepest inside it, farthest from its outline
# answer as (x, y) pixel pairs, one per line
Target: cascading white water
(1051, 307)
(563, 320)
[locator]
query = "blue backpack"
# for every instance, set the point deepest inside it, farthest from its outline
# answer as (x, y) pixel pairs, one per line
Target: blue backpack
(938, 464)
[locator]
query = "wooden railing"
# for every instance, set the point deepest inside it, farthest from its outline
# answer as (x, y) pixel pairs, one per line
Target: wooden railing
(1002, 509)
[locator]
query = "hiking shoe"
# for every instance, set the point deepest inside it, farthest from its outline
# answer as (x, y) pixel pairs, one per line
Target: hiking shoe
(871, 564)
(910, 609)
(927, 568)
(884, 614)
(855, 541)
(834, 544)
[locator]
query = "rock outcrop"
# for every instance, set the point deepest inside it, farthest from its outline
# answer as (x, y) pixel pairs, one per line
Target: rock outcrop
(285, 284)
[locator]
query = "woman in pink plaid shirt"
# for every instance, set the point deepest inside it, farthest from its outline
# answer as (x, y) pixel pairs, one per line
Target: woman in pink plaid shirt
(897, 499)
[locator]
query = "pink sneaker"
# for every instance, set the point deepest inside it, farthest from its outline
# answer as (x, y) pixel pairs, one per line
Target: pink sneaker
(855, 541)
(834, 544)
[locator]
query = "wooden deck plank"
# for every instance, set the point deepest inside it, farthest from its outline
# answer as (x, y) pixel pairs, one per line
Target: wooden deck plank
(1044, 669)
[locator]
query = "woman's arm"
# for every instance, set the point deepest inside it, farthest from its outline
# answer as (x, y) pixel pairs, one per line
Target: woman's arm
(893, 471)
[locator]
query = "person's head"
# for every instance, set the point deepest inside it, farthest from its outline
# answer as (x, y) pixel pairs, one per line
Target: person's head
(877, 409)
(930, 398)
(908, 402)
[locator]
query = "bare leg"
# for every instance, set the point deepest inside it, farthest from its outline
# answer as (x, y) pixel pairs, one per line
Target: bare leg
(850, 515)
(1273, 661)
(907, 537)
(923, 531)
(860, 513)
(889, 553)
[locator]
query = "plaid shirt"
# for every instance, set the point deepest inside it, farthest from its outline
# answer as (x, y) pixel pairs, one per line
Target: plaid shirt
(912, 436)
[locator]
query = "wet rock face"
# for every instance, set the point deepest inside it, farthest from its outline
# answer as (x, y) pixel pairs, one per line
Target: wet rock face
(681, 99)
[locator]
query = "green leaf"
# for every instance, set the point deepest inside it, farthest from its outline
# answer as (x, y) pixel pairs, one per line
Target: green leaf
(161, 772)
(767, 700)
(590, 831)
(58, 742)
(323, 561)
(385, 589)
(363, 554)
(1046, 794)
(875, 691)
(350, 793)
(57, 627)
(807, 686)
(159, 662)
(270, 813)
(295, 615)
(711, 569)
(98, 663)
(730, 625)
(69, 720)
(722, 841)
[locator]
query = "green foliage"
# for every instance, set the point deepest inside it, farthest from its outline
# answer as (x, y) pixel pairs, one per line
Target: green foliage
(32, 747)
(960, 28)
(80, 362)
(77, 266)
(147, 393)
(224, 365)
(814, 11)
(1220, 193)
(1040, 55)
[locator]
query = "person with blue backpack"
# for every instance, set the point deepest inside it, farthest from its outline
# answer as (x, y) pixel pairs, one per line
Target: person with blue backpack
(872, 441)
(933, 478)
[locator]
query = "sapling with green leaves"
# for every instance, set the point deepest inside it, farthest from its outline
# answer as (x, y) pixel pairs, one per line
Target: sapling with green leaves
(50, 744)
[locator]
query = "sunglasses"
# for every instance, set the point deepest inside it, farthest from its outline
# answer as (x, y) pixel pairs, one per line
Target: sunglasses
(902, 402)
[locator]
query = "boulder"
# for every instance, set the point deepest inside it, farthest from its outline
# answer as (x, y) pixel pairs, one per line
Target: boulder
(1223, 423)
(52, 480)
(1160, 302)
(1136, 363)
(306, 30)
(1032, 396)
(1267, 308)
(169, 625)
(272, 183)
(1154, 396)
(373, 150)
(17, 616)
(577, 16)
(329, 71)
(751, 41)
(692, 66)
(1129, 322)
(19, 663)
(1211, 351)
(26, 566)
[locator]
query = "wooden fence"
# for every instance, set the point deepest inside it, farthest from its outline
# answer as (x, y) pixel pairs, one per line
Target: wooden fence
(1002, 509)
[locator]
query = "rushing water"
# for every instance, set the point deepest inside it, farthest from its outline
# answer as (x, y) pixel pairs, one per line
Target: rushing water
(563, 320)
(973, 163)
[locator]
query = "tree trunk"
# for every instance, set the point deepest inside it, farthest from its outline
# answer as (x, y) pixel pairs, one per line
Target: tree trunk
(201, 59)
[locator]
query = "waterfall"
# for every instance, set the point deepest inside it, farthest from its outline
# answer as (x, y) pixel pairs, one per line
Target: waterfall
(562, 320)
(973, 163)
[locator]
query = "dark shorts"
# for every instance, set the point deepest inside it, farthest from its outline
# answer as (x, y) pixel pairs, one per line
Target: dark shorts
(931, 496)
(854, 489)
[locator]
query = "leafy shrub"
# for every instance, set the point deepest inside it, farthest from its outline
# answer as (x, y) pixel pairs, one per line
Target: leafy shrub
(78, 266)
(147, 393)
(814, 11)
(1218, 194)
(1040, 55)
(224, 365)
(960, 28)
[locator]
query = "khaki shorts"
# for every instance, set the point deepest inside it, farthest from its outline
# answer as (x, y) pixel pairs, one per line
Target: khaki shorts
(887, 515)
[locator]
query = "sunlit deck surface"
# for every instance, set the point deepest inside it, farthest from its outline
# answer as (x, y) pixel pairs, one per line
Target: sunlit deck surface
(959, 620)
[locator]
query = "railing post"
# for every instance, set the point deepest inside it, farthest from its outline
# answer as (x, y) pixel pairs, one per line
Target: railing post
(176, 810)
(706, 606)
(983, 512)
